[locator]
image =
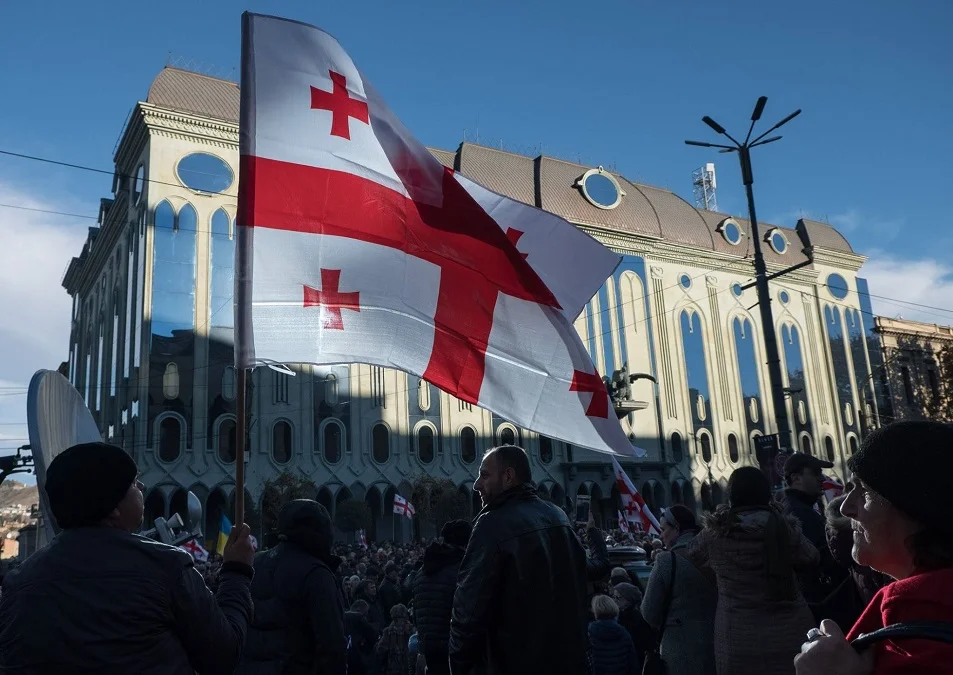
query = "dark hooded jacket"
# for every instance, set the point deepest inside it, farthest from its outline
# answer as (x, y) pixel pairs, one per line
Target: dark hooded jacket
(433, 595)
(298, 625)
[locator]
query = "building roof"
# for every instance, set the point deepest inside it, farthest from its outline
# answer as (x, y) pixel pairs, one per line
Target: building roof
(546, 182)
(195, 93)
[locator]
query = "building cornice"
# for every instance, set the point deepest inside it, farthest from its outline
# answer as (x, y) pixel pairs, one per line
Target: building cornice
(841, 259)
(195, 128)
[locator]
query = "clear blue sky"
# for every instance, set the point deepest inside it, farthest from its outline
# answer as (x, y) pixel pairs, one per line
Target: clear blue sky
(617, 82)
(621, 82)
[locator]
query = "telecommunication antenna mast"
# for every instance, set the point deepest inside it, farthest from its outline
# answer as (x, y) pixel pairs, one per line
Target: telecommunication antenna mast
(703, 187)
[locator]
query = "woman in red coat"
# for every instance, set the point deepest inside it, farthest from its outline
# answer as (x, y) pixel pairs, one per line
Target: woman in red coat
(902, 519)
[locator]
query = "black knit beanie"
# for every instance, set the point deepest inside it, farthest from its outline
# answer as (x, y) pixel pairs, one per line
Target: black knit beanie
(909, 464)
(86, 482)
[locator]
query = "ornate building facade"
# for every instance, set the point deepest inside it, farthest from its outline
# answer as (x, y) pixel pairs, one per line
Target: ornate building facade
(151, 345)
(913, 371)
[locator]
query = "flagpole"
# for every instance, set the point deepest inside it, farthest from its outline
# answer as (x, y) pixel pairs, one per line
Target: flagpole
(240, 450)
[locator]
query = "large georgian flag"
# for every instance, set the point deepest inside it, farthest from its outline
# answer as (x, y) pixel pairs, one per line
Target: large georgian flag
(356, 245)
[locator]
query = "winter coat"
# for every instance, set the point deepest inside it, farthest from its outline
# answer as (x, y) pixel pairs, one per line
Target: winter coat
(362, 639)
(389, 594)
(433, 596)
(101, 600)
(611, 651)
(926, 596)
(817, 582)
(520, 603)
(394, 647)
(375, 612)
(688, 641)
(754, 634)
(299, 607)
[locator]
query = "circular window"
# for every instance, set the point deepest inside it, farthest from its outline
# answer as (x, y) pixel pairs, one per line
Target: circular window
(601, 189)
(203, 172)
(784, 297)
(685, 281)
(837, 286)
(737, 289)
(778, 241)
(731, 231)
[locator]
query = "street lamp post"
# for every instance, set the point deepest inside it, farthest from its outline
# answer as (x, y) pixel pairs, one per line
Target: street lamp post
(761, 272)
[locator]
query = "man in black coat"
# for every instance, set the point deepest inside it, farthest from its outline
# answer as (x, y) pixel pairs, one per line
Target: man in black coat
(804, 477)
(520, 603)
(434, 587)
(390, 592)
(299, 608)
(102, 599)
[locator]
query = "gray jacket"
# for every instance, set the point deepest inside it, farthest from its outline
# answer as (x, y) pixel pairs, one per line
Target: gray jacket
(688, 640)
(100, 600)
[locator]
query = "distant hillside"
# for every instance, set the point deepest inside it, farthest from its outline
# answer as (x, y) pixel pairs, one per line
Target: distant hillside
(14, 492)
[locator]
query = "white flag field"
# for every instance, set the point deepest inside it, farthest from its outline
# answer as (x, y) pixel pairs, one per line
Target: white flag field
(355, 245)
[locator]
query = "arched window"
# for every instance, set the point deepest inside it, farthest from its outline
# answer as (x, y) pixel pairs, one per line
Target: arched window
(331, 389)
(170, 381)
(170, 439)
(380, 439)
(222, 278)
(226, 441)
(281, 442)
(508, 436)
(696, 370)
(423, 395)
(677, 452)
(733, 448)
(852, 443)
(829, 448)
(467, 444)
(705, 441)
(806, 446)
(139, 184)
(332, 442)
(425, 444)
(173, 271)
(545, 449)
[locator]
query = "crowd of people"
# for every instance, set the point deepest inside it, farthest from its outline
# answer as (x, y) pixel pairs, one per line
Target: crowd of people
(768, 583)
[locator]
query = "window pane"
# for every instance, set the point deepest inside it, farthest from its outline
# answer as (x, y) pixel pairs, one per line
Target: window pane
(677, 452)
(281, 442)
(733, 447)
(706, 447)
(170, 439)
(425, 444)
(545, 449)
(507, 436)
(381, 443)
(332, 442)
(226, 441)
(221, 279)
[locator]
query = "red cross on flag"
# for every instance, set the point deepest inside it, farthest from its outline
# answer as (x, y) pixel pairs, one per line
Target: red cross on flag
(833, 488)
(400, 505)
(355, 245)
(196, 550)
(634, 506)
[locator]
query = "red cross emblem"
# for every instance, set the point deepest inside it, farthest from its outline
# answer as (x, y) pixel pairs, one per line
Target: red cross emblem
(341, 105)
(591, 382)
(630, 508)
(514, 236)
(331, 300)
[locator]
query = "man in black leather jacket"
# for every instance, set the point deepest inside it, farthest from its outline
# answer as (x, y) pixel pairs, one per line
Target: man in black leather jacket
(434, 587)
(100, 599)
(299, 607)
(520, 603)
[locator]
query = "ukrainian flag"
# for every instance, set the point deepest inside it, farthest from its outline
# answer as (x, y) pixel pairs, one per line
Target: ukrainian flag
(223, 531)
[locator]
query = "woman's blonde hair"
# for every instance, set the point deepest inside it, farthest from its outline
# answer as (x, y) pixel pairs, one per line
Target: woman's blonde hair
(605, 607)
